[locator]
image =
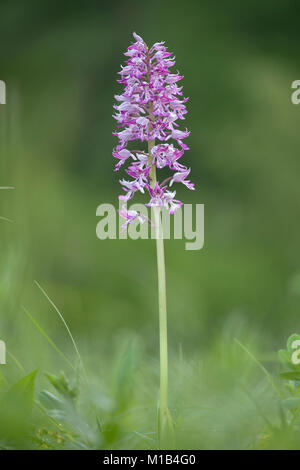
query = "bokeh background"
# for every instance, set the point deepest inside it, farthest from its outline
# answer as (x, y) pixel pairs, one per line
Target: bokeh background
(60, 62)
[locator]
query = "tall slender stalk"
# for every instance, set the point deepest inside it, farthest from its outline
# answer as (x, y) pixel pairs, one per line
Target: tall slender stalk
(164, 419)
(148, 108)
(163, 335)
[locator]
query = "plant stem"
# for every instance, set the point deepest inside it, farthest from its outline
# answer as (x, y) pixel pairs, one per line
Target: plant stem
(165, 422)
(163, 337)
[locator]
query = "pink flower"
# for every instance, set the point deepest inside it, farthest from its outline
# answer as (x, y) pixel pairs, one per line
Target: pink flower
(170, 203)
(131, 216)
(180, 176)
(122, 155)
(157, 196)
(149, 85)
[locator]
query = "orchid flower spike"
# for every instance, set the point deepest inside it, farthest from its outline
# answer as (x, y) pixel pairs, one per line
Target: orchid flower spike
(148, 111)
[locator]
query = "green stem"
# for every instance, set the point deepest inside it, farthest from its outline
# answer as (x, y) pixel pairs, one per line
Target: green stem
(165, 422)
(165, 426)
(163, 336)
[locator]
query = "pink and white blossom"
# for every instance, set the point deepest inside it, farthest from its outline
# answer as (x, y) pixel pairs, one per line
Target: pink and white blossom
(131, 216)
(150, 109)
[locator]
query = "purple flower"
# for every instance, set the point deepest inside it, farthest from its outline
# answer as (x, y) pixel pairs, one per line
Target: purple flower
(148, 110)
(161, 197)
(131, 216)
(180, 176)
(122, 155)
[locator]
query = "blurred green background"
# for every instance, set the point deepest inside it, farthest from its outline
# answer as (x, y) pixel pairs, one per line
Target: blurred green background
(60, 63)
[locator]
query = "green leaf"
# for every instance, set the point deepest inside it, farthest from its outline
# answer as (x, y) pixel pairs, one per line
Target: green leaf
(290, 376)
(291, 403)
(63, 386)
(50, 401)
(22, 393)
(284, 357)
(125, 374)
(16, 406)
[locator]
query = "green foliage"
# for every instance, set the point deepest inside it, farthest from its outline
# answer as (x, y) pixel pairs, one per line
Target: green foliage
(68, 390)
(55, 149)
(288, 355)
(291, 404)
(15, 410)
(119, 410)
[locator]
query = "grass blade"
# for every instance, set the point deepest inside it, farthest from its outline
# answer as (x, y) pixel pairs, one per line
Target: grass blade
(48, 338)
(262, 368)
(65, 325)
(6, 219)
